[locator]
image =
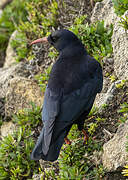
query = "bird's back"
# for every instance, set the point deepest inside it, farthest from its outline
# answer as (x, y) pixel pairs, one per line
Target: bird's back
(71, 74)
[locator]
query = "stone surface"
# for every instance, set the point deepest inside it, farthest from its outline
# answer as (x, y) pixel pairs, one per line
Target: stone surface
(10, 52)
(114, 151)
(2, 108)
(118, 65)
(37, 177)
(3, 3)
(6, 74)
(20, 93)
(109, 96)
(104, 11)
(120, 49)
(7, 128)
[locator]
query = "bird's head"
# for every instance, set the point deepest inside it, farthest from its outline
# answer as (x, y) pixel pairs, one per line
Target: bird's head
(59, 39)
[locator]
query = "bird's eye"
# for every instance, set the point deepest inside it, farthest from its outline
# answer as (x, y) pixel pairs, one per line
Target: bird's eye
(53, 38)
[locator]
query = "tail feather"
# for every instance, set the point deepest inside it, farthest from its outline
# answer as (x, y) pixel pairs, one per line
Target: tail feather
(53, 149)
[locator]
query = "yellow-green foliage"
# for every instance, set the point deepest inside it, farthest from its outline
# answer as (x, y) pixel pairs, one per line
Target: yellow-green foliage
(42, 16)
(95, 37)
(15, 149)
(120, 85)
(42, 79)
(9, 20)
(125, 171)
(124, 22)
(120, 6)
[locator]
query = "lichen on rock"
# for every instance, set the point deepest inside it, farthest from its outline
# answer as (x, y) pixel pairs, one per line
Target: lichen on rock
(114, 151)
(120, 49)
(20, 94)
(10, 52)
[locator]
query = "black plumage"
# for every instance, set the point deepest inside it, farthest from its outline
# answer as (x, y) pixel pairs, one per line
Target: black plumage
(74, 81)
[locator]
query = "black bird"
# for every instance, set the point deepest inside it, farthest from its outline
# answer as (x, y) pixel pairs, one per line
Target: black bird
(74, 81)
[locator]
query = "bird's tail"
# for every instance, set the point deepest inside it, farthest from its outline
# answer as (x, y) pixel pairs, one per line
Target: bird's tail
(52, 153)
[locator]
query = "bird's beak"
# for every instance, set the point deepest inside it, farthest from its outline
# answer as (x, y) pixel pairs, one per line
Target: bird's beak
(41, 40)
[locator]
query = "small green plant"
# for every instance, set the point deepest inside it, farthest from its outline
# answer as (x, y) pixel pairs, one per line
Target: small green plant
(123, 108)
(95, 37)
(125, 171)
(93, 125)
(104, 106)
(11, 16)
(120, 6)
(124, 22)
(124, 112)
(42, 79)
(42, 17)
(52, 53)
(74, 159)
(68, 172)
(112, 78)
(121, 84)
(93, 111)
(15, 149)
(20, 46)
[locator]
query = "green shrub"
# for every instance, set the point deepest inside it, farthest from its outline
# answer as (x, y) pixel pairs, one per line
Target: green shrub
(96, 37)
(42, 17)
(20, 46)
(120, 6)
(123, 112)
(11, 16)
(15, 162)
(42, 79)
(75, 161)
(124, 22)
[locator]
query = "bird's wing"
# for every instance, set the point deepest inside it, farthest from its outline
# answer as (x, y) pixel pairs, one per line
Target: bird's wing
(51, 107)
(77, 102)
(59, 112)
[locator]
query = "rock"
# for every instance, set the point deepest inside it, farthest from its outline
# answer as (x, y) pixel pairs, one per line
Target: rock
(109, 61)
(3, 3)
(6, 74)
(20, 93)
(10, 52)
(37, 177)
(105, 98)
(120, 49)
(7, 128)
(113, 93)
(2, 108)
(104, 11)
(114, 151)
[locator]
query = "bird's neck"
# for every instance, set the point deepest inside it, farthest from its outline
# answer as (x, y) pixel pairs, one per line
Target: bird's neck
(72, 52)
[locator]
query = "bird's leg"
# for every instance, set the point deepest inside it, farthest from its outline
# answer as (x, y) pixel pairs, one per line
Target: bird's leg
(67, 141)
(85, 135)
